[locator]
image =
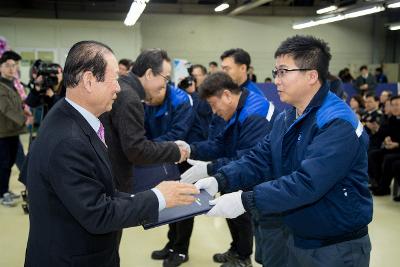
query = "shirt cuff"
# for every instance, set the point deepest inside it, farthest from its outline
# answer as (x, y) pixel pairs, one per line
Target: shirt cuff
(161, 200)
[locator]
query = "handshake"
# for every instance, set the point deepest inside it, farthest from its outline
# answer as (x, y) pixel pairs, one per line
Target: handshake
(184, 149)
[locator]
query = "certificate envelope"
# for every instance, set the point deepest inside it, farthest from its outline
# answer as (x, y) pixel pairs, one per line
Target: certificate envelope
(176, 214)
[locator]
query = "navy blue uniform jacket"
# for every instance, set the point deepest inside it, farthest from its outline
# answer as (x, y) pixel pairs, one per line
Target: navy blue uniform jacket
(313, 169)
(249, 124)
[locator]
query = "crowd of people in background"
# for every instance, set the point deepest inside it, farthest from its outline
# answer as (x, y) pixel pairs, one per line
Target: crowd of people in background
(180, 113)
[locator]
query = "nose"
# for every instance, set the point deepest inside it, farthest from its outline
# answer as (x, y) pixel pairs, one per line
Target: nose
(118, 88)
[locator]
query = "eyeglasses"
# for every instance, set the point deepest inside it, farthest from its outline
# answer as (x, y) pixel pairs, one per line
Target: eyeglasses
(281, 72)
(166, 78)
(11, 66)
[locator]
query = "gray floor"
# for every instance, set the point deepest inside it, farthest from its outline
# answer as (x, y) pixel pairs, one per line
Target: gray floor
(210, 235)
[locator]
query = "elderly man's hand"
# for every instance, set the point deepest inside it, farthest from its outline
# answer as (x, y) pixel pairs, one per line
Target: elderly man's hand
(177, 194)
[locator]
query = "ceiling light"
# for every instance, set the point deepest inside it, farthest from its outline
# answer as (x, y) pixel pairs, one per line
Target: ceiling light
(327, 9)
(135, 11)
(363, 11)
(221, 7)
(393, 4)
(330, 19)
(302, 25)
(394, 26)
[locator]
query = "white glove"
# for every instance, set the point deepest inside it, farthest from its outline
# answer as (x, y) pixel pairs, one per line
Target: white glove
(184, 145)
(195, 173)
(227, 206)
(209, 184)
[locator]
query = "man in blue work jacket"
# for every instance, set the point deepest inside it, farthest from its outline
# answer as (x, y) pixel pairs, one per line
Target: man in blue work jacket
(170, 118)
(248, 117)
(311, 168)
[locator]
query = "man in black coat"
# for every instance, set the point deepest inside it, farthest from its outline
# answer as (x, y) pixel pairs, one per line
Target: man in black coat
(75, 212)
(124, 125)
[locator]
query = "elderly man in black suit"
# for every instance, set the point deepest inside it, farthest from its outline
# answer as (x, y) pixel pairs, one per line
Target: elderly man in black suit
(75, 210)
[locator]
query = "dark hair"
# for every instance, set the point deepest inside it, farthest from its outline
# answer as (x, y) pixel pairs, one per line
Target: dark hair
(359, 100)
(395, 97)
(216, 83)
(150, 59)
(198, 66)
(85, 56)
(9, 55)
(213, 63)
(126, 62)
(239, 56)
(376, 98)
(363, 67)
(308, 52)
(185, 83)
(379, 69)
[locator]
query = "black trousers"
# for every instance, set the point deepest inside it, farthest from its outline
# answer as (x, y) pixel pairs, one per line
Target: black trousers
(179, 234)
(380, 166)
(8, 154)
(241, 229)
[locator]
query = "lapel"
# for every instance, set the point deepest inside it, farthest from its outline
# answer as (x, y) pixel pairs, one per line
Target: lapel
(94, 140)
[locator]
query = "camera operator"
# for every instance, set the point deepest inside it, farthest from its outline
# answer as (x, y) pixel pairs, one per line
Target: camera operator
(46, 85)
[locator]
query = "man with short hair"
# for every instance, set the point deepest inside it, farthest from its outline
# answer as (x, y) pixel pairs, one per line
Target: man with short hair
(372, 118)
(236, 62)
(75, 212)
(199, 73)
(124, 66)
(124, 125)
(249, 117)
(309, 174)
(212, 67)
(365, 83)
(13, 119)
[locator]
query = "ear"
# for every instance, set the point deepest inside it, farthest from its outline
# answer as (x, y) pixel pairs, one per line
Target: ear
(243, 68)
(148, 75)
(313, 76)
(228, 95)
(88, 80)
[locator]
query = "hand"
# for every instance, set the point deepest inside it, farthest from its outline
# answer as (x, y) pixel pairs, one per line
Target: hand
(227, 206)
(184, 149)
(209, 184)
(364, 87)
(29, 120)
(49, 92)
(177, 194)
(373, 126)
(195, 173)
(391, 145)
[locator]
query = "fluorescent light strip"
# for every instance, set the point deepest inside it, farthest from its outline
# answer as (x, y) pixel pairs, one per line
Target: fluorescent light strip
(363, 12)
(394, 5)
(303, 25)
(330, 19)
(221, 7)
(327, 9)
(394, 26)
(135, 11)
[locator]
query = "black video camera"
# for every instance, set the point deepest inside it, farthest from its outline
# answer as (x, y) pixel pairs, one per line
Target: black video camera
(48, 72)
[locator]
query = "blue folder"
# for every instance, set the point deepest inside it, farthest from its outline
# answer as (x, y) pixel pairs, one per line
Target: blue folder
(176, 214)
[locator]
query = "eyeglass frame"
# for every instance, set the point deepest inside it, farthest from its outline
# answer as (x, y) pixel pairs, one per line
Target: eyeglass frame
(167, 80)
(275, 71)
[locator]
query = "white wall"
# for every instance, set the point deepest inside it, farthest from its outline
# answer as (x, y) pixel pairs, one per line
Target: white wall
(201, 39)
(60, 35)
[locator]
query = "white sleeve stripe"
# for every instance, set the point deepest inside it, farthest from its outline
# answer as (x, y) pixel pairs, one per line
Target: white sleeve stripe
(271, 110)
(360, 129)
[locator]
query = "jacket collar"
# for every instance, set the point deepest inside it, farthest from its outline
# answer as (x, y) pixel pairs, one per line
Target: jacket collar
(135, 83)
(97, 144)
(241, 103)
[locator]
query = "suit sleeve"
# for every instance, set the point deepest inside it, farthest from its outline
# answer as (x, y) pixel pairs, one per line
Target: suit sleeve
(77, 182)
(128, 119)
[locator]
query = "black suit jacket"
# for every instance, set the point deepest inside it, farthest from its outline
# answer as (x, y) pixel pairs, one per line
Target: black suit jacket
(125, 135)
(75, 211)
